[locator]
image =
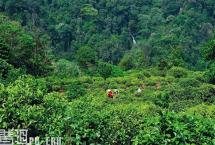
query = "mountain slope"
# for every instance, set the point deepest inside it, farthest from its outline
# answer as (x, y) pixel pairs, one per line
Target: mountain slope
(159, 27)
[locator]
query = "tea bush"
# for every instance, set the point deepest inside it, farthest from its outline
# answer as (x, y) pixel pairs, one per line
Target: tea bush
(178, 72)
(189, 82)
(64, 68)
(20, 98)
(169, 110)
(170, 128)
(117, 72)
(204, 110)
(206, 92)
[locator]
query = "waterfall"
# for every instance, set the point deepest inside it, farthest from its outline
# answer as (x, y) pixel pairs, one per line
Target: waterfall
(133, 39)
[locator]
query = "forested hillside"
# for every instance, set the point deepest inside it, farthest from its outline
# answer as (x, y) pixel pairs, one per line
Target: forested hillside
(168, 30)
(109, 72)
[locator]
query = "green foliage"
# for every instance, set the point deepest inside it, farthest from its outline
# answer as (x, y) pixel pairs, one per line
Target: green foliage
(105, 69)
(155, 105)
(204, 110)
(117, 71)
(210, 73)
(185, 82)
(78, 109)
(21, 49)
(209, 54)
(8, 73)
(88, 10)
(23, 93)
(164, 29)
(133, 59)
(173, 129)
(206, 93)
(178, 72)
(55, 105)
(86, 56)
(4, 69)
(126, 63)
(209, 51)
(75, 90)
(27, 105)
(66, 69)
(4, 50)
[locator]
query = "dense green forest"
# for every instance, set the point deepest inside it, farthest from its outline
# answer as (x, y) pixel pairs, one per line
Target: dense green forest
(168, 30)
(59, 57)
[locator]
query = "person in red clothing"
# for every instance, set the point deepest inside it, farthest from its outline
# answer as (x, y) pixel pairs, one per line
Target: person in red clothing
(110, 94)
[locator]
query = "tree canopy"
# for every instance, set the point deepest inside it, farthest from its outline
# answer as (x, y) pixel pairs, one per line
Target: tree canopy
(110, 27)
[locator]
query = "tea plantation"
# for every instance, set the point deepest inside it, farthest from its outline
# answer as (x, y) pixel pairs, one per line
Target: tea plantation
(176, 106)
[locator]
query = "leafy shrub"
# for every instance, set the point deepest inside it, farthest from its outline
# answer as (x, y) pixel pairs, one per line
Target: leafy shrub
(28, 106)
(4, 69)
(162, 100)
(117, 71)
(178, 72)
(210, 74)
(144, 74)
(91, 70)
(135, 58)
(141, 76)
(185, 82)
(86, 56)
(93, 119)
(98, 83)
(18, 98)
(200, 76)
(126, 62)
(112, 125)
(1, 87)
(75, 90)
(66, 69)
(88, 10)
(183, 105)
(179, 98)
(206, 92)
(56, 106)
(104, 69)
(207, 111)
(152, 81)
(111, 83)
(170, 128)
(8, 73)
(24, 50)
(208, 50)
